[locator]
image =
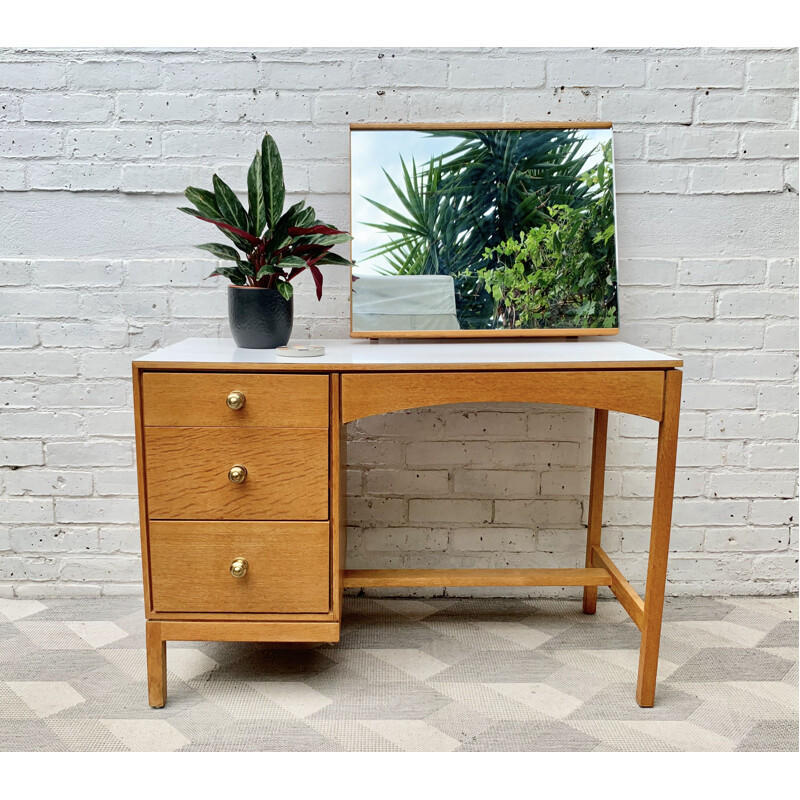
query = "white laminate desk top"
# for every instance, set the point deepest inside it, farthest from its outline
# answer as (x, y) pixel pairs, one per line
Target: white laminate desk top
(363, 355)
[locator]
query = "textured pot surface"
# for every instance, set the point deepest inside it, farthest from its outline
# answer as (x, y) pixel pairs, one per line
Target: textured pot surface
(259, 318)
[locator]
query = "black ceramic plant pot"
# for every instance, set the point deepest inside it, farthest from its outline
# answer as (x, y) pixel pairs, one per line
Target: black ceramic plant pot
(260, 318)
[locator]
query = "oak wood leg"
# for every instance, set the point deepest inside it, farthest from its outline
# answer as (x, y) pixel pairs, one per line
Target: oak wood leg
(596, 500)
(156, 665)
(659, 540)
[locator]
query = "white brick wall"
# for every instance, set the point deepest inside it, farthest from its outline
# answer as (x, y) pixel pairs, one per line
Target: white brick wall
(96, 266)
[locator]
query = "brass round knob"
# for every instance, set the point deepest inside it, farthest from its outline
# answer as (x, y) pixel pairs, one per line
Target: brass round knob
(239, 567)
(235, 400)
(237, 473)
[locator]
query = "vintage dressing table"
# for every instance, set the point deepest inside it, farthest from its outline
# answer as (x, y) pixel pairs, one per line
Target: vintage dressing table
(241, 455)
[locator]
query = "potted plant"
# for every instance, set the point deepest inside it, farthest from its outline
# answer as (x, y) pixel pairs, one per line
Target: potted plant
(272, 248)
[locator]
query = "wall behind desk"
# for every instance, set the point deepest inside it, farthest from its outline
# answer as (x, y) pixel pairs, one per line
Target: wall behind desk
(96, 267)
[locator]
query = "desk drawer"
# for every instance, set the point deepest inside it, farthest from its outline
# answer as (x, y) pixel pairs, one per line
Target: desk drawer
(188, 473)
(287, 570)
(200, 398)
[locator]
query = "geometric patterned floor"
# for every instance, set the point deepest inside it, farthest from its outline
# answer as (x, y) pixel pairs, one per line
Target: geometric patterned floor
(415, 675)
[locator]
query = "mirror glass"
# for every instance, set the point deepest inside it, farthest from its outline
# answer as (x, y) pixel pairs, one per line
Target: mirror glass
(483, 231)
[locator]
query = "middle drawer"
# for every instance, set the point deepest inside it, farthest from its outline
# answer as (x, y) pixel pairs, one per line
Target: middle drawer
(190, 473)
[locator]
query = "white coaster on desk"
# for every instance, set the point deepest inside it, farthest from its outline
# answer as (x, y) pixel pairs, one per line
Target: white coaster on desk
(300, 351)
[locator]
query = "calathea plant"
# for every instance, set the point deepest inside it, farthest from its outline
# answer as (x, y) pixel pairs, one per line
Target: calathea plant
(272, 247)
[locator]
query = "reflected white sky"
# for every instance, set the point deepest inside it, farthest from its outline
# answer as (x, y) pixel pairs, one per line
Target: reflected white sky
(370, 151)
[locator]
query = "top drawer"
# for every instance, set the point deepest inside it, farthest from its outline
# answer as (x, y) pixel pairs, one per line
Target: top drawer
(199, 399)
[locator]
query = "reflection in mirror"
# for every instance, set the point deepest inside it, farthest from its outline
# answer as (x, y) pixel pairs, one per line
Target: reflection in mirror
(483, 231)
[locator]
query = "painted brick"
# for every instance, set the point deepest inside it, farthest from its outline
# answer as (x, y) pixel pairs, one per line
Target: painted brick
(113, 74)
(751, 425)
(90, 509)
(651, 178)
(32, 75)
(754, 484)
(30, 143)
(295, 76)
(27, 365)
(66, 108)
(100, 272)
(495, 483)
(696, 73)
(78, 308)
(773, 73)
(109, 423)
(777, 398)
(18, 334)
(89, 454)
(53, 539)
(671, 144)
(461, 106)
(75, 177)
(36, 424)
(707, 396)
(717, 335)
(646, 107)
(264, 106)
(84, 334)
(84, 395)
(737, 303)
(12, 178)
(494, 540)
(590, 72)
(769, 144)
(405, 539)
(780, 336)
(390, 70)
(545, 513)
(773, 512)
(745, 366)
(344, 107)
(726, 540)
(424, 483)
(205, 76)
(48, 482)
(149, 107)
(712, 272)
(782, 272)
(515, 73)
(35, 510)
(720, 107)
(16, 454)
(112, 143)
(9, 108)
(554, 104)
(654, 304)
(726, 178)
(451, 510)
(97, 568)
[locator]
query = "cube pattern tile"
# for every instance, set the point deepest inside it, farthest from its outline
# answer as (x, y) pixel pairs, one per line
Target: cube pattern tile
(439, 675)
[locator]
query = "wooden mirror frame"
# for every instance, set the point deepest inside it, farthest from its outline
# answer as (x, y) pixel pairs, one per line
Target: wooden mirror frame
(518, 333)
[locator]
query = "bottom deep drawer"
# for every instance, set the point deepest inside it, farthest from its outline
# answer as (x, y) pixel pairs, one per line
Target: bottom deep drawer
(240, 567)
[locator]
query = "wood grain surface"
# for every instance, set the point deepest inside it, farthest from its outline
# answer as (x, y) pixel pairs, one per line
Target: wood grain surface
(198, 398)
(288, 566)
(368, 578)
(287, 473)
(633, 392)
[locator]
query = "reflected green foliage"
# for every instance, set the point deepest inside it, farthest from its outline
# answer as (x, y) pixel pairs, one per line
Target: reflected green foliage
(559, 274)
(461, 214)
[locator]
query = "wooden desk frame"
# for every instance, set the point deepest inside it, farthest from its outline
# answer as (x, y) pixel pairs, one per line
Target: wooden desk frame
(647, 389)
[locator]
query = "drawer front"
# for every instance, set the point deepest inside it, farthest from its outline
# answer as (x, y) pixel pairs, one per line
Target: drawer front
(287, 569)
(200, 398)
(188, 473)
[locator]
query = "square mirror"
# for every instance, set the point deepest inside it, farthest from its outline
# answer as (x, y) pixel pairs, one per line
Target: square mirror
(483, 230)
